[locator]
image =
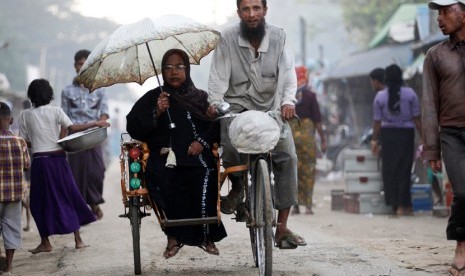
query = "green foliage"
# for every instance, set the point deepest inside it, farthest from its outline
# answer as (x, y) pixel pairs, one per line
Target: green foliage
(364, 18)
(45, 33)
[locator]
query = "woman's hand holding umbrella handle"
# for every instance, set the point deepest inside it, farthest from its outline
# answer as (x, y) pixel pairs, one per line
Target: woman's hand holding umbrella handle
(163, 103)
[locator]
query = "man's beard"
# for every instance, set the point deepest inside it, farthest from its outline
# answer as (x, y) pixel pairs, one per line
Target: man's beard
(256, 33)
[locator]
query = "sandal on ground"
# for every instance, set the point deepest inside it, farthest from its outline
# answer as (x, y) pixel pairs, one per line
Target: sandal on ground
(229, 203)
(290, 240)
(172, 250)
(210, 248)
(455, 271)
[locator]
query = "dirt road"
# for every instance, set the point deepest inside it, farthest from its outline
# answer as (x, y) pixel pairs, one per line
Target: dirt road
(338, 244)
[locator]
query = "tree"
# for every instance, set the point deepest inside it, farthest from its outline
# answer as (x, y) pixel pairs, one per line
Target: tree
(364, 18)
(47, 33)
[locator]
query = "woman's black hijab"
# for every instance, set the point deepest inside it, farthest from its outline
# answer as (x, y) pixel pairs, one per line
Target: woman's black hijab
(188, 96)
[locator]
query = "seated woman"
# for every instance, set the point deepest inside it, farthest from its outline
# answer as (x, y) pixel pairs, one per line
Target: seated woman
(188, 188)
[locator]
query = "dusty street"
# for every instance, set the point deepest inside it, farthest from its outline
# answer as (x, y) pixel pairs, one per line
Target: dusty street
(338, 244)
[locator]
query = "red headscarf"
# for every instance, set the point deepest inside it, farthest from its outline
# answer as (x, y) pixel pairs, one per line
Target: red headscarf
(302, 76)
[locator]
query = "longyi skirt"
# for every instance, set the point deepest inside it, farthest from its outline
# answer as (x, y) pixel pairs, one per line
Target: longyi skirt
(56, 203)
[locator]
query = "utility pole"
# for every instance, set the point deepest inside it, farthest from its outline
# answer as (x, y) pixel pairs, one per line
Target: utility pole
(303, 39)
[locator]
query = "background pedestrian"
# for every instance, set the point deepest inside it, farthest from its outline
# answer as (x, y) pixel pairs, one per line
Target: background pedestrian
(396, 113)
(88, 166)
(56, 204)
(444, 115)
(14, 160)
(308, 110)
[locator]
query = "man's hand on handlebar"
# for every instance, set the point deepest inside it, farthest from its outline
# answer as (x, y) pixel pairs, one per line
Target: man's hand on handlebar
(218, 110)
(212, 112)
(287, 112)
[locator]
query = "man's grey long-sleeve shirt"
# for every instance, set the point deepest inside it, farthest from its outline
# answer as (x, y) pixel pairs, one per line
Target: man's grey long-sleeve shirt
(246, 81)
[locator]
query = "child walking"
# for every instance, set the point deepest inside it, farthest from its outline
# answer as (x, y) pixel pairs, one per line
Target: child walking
(55, 201)
(14, 159)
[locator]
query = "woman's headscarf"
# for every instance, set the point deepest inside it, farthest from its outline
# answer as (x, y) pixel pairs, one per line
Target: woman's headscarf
(188, 96)
(394, 82)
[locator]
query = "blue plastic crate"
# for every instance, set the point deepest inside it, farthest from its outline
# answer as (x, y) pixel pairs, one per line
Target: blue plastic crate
(422, 197)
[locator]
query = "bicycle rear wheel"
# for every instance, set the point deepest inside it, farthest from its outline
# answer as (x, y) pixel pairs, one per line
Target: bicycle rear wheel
(263, 212)
(135, 220)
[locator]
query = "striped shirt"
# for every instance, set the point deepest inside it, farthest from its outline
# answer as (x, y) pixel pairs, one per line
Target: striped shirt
(14, 159)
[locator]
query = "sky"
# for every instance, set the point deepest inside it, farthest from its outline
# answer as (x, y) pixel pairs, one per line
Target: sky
(125, 11)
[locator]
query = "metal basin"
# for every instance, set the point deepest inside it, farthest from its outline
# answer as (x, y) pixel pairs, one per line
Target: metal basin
(83, 140)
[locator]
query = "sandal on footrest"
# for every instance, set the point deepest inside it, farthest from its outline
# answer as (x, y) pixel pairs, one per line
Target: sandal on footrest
(172, 250)
(210, 248)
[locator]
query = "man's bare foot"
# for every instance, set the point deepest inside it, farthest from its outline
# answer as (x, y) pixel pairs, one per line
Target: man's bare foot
(457, 268)
(41, 248)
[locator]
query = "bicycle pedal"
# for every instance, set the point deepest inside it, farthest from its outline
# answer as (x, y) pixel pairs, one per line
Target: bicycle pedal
(239, 218)
(240, 213)
(123, 216)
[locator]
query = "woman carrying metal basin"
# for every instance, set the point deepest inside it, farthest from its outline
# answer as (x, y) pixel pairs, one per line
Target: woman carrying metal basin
(56, 204)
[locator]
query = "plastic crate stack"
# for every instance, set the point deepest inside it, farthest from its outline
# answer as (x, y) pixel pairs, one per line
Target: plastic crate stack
(422, 197)
(363, 183)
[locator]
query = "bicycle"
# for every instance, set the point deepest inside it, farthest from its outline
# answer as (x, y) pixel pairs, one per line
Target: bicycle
(257, 209)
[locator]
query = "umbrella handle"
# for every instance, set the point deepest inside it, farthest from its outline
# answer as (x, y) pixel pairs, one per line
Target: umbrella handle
(171, 125)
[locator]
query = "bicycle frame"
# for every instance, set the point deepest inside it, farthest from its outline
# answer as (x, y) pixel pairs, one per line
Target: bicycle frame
(259, 219)
(257, 210)
(252, 160)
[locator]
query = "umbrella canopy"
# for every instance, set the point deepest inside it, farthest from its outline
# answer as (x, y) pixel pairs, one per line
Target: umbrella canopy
(133, 52)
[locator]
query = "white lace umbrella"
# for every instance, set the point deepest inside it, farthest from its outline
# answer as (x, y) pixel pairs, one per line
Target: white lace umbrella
(133, 52)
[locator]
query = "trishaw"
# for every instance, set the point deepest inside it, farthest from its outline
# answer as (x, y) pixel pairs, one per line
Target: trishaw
(257, 209)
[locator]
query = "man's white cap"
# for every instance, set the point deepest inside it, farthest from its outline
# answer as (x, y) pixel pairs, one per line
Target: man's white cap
(437, 4)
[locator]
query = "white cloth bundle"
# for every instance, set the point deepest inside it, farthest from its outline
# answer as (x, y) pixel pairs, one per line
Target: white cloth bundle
(171, 159)
(254, 132)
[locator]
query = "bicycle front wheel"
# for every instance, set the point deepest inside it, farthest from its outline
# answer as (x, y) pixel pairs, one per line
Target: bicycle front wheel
(135, 219)
(263, 211)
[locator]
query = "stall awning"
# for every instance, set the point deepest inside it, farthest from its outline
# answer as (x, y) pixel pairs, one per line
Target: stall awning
(361, 63)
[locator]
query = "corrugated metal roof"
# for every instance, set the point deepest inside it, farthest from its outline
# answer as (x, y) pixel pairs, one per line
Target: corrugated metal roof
(361, 63)
(406, 13)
